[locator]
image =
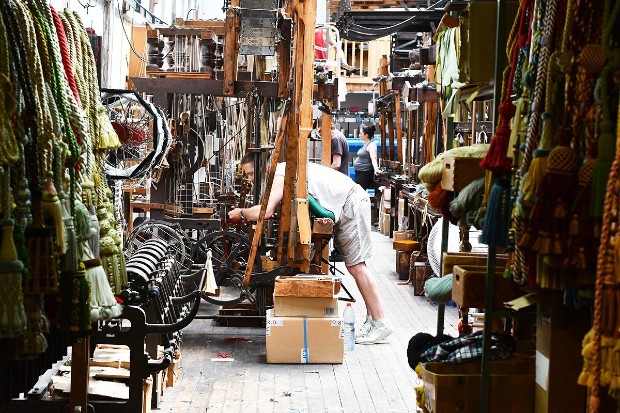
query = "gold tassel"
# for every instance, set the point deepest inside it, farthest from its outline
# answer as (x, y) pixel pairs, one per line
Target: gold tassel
(573, 228)
(12, 313)
(50, 204)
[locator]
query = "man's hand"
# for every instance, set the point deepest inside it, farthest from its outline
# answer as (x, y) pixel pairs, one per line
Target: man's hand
(235, 214)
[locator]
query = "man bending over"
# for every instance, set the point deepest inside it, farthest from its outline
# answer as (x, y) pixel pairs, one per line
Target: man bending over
(351, 207)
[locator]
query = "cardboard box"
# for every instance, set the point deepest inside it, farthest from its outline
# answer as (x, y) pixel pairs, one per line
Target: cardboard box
(455, 387)
(306, 286)
(304, 340)
(559, 333)
(305, 307)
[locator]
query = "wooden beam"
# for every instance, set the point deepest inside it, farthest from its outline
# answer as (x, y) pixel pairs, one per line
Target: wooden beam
(231, 48)
(307, 24)
(202, 86)
(326, 137)
(79, 375)
(399, 128)
(284, 55)
(263, 206)
(390, 135)
(383, 71)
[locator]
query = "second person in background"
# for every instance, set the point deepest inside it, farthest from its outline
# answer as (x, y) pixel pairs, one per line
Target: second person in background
(365, 164)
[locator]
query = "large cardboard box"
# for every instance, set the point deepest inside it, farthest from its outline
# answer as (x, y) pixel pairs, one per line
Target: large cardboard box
(304, 340)
(455, 387)
(559, 333)
(305, 307)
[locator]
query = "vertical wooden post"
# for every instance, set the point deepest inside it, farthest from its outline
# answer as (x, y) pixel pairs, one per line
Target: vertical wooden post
(326, 138)
(390, 135)
(284, 57)
(79, 374)
(399, 128)
(383, 71)
(231, 48)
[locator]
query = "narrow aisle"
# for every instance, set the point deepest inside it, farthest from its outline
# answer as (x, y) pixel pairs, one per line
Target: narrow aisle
(373, 378)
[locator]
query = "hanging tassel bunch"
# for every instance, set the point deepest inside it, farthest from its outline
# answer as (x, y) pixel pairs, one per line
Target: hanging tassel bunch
(103, 305)
(497, 216)
(496, 160)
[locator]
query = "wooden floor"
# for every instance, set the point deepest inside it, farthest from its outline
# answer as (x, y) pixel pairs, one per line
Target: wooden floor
(373, 378)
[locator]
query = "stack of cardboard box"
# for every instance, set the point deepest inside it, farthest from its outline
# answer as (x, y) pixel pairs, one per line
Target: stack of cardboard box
(384, 211)
(304, 325)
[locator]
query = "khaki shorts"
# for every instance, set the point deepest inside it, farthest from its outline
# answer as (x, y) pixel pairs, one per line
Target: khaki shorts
(353, 229)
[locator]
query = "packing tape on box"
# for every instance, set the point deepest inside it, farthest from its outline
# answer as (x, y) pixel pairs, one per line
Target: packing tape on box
(305, 352)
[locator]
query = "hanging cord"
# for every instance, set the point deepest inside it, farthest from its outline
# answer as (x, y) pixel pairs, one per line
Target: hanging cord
(44, 134)
(546, 42)
(605, 273)
(64, 52)
(9, 149)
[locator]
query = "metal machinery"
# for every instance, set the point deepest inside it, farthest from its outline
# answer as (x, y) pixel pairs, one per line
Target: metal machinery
(246, 86)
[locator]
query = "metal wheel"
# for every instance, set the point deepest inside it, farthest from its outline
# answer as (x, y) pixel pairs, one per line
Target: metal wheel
(230, 252)
(177, 242)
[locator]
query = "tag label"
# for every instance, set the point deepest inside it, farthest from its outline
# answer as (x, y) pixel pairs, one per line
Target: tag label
(272, 322)
(305, 355)
(338, 322)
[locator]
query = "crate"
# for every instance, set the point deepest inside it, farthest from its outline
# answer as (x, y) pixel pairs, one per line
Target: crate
(455, 387)
(403, 259)
(459, 172)
(306, 286)
(450, 259)
(469, 287)
(422, 272)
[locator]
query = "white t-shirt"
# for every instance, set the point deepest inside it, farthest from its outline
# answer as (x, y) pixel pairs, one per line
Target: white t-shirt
(327, 185)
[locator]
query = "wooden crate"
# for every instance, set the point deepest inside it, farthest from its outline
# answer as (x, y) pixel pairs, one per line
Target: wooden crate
(450, 259)
(422, 272)
(402, 264)
(469, 287)
(306, 286)
(457, 173)
(455, 387)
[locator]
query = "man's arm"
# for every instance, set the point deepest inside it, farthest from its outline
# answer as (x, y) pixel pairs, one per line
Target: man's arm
(251, 214)
(336, 160)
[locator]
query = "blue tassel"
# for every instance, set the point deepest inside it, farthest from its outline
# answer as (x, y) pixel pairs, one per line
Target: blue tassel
(497, 216)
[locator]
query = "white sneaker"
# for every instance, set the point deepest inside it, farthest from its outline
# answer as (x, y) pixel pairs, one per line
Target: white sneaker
(364, 328)
(379, 330)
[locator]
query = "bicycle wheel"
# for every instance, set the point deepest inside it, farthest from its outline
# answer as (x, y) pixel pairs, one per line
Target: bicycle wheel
(230, 252)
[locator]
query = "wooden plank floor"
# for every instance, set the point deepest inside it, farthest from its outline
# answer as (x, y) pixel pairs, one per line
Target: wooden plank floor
(373, 378)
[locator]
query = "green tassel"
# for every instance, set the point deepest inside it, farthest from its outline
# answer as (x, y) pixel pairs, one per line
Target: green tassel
(74, 301)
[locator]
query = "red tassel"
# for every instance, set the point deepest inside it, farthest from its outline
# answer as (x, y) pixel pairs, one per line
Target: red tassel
(496, 160)
(437, 197)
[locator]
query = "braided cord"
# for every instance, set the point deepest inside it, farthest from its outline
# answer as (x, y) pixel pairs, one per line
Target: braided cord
(64, 51)
(9, 150)
(605, 271)
(44, 137)
(546, 44)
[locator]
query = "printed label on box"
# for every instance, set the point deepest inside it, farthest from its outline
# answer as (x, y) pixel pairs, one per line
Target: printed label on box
(305, 355)
(272, 322)
(340, 324)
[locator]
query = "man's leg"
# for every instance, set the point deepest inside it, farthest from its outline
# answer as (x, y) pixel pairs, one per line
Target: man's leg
(368, 288)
